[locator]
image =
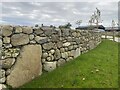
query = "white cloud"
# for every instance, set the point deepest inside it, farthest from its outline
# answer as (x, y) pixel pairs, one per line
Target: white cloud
(59, 13)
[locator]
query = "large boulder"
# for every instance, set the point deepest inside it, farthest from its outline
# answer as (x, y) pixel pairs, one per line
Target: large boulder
(27, 66)
(19, 39)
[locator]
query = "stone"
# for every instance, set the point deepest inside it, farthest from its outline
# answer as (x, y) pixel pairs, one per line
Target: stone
(27, 30)
(7, 45)
(59, 44)
(57, 54)
(1, 43)
(64, 55)
(49, 66)
(65, 32)
(6, 40)
(7, 30)
(71, 53)
(3, 86)
(8, 71)
(18, 29)
(52, 57)
(68, 59)
(27, 66)
(41, 40)
(19, 39)
(31, 36)
(44, 55)
(91, 44)
(55, 38)
(49, 59)
(74, 34)
(43, 60)
(47, 30)
(33, 42)
(66, 44)
(77, 52)
(60, 62)
(78, 34)
(2, 80)
(62, 50)
(69, 39)
(48, 46)
(2, 73)
(70, 47)
(52, 51)
(38, 31)
(7, 63)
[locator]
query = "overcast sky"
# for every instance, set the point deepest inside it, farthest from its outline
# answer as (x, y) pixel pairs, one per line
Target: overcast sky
(56, 13)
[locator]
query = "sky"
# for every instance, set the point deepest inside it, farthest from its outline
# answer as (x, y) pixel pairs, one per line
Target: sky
(56, 13)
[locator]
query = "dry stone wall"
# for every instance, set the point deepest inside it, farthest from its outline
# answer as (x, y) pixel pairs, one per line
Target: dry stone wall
(26, 51)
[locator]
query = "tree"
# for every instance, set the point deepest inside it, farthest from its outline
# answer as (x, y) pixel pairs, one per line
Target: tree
(68, 25)
(78, 22)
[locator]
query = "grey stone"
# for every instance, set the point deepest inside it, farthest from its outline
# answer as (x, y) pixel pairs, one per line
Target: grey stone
(41, 40)
(54, 38)
(59, 44)
(77, 52)
(64, 55)
(68, 59)
(6, 40)
(52, 57)
(7, 30)
(7, 45)
(71, 53)
(49, 66)
(44, 55)
(62, 50)
(2, 73)
(18, 29)
(57, 54)
(69, 39)
(74, 34)
(70, 47)
(19, 39)
(27, 30)
(43, 60)
(7, 63)
(8, 71)
(2, 80)
(60, 62)
(1, 43)
(31, 36)
(27, 66)
(38, 31)
(66, 44)
(47, 30)
(49, 59)
(3, 86)
(91, 44)
(48, 46)
(32, 41)
(65, 32)
(52, 51)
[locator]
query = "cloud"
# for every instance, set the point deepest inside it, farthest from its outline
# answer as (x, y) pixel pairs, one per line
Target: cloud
(57, 13)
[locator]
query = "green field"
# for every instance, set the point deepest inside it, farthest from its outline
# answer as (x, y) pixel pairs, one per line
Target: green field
(97, 68)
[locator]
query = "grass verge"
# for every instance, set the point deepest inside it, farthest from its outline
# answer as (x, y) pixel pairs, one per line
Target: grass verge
(97, 68)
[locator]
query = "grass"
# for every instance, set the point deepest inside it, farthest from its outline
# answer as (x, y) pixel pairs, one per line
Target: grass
(96, 69)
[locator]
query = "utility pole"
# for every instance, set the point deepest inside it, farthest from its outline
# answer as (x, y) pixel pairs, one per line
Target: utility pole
(113, 25)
